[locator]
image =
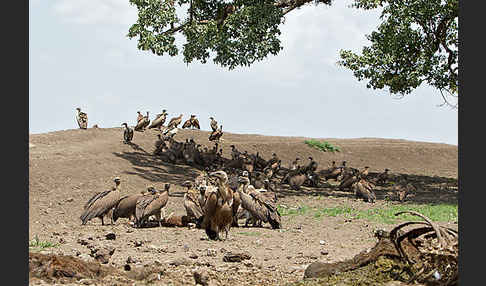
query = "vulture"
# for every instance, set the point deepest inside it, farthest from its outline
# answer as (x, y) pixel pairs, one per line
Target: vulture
(101, 203)
(272, 163)
(363, 190)
(312, 167)
(215, 135)
(82, 119)
(295, 164)
(125, 208)
(383, 177)
(235, 154)
(139, 116)
(257, 205)
(159, 121)
(218, 214)
(297, 180)
(192, 203)
(195, 122)
(220, 206)
(187, 123)
(349, 179)
(151, 205)
(174, 122)
(214, 124)
(127, 134)
(365, 172)
(142, 123)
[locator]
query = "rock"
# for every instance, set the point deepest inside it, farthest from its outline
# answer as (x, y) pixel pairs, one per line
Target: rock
(138, 243)
(193, 255)
(130, 260)
(62, 240)
(180, 261)
(201, 277)
(69, 200)
(324, 252)
(82, 241)
(211, 252)
(236, 257)
(186, 247)
(102, 255)
(110, 236)
(322, 242)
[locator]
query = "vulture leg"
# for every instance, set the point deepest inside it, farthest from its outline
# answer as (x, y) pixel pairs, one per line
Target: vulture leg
(102, 222)
(157, 216)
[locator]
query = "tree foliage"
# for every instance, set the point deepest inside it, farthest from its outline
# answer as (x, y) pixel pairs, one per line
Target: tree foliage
(416, 41)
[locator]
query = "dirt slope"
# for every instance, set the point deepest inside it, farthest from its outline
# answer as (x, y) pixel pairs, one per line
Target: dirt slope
(67, 167)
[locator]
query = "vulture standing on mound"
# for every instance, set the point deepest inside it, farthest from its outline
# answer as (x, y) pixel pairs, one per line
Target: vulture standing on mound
(195, 122)
(142, 123)
(159, 121)
(364, 190)
(101, 203)
(139, 116)
(125, 208)
(260, 207)
(220, 207)
(82, 119)
(151, 205)
(127, 134)
(174, 122)
(192, 202)
(216, 135)
(214, 124)
(187, 123)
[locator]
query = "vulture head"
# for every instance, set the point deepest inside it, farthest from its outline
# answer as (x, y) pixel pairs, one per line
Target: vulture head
(116, 180)
(124, 124)
(245, 174)
(166, 187)
(220, 175)
(78, 109)
(386, 170)
(188, 184)
(151, 189)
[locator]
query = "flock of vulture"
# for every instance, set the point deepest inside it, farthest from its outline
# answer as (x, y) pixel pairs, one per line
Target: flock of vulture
(227, 189)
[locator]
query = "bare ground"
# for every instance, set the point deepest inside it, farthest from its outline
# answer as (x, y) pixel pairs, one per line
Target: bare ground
(67, 167)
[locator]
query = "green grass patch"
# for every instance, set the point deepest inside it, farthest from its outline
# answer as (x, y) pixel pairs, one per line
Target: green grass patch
(436, 212)
(36, 244)
(322, 145)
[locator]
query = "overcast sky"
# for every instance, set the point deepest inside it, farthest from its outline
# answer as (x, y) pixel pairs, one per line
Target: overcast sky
(79, 56)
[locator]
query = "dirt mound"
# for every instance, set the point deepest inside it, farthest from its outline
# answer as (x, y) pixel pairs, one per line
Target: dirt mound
(67, 167)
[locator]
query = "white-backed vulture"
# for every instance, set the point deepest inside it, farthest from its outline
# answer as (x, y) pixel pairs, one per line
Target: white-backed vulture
(214, 124)
(142, 122)
(174, 122)
(216, 135)
(82, 119)
(258, 206)
(127, 134)
(146, 121)
(101, 203)
(159, 121)
(151, 205)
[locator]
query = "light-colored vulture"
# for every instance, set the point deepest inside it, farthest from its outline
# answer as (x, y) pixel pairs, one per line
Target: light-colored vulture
(159, 121)
(295, 164)
(151, 205)
(82, 119)
(127, 134)
(272, 163)
(216, 135)
(192, 203)
(214, 124)
(101, 203)
(365, 172)
(142, 123)
(174, 122)
(363, 190)
(258, 205)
